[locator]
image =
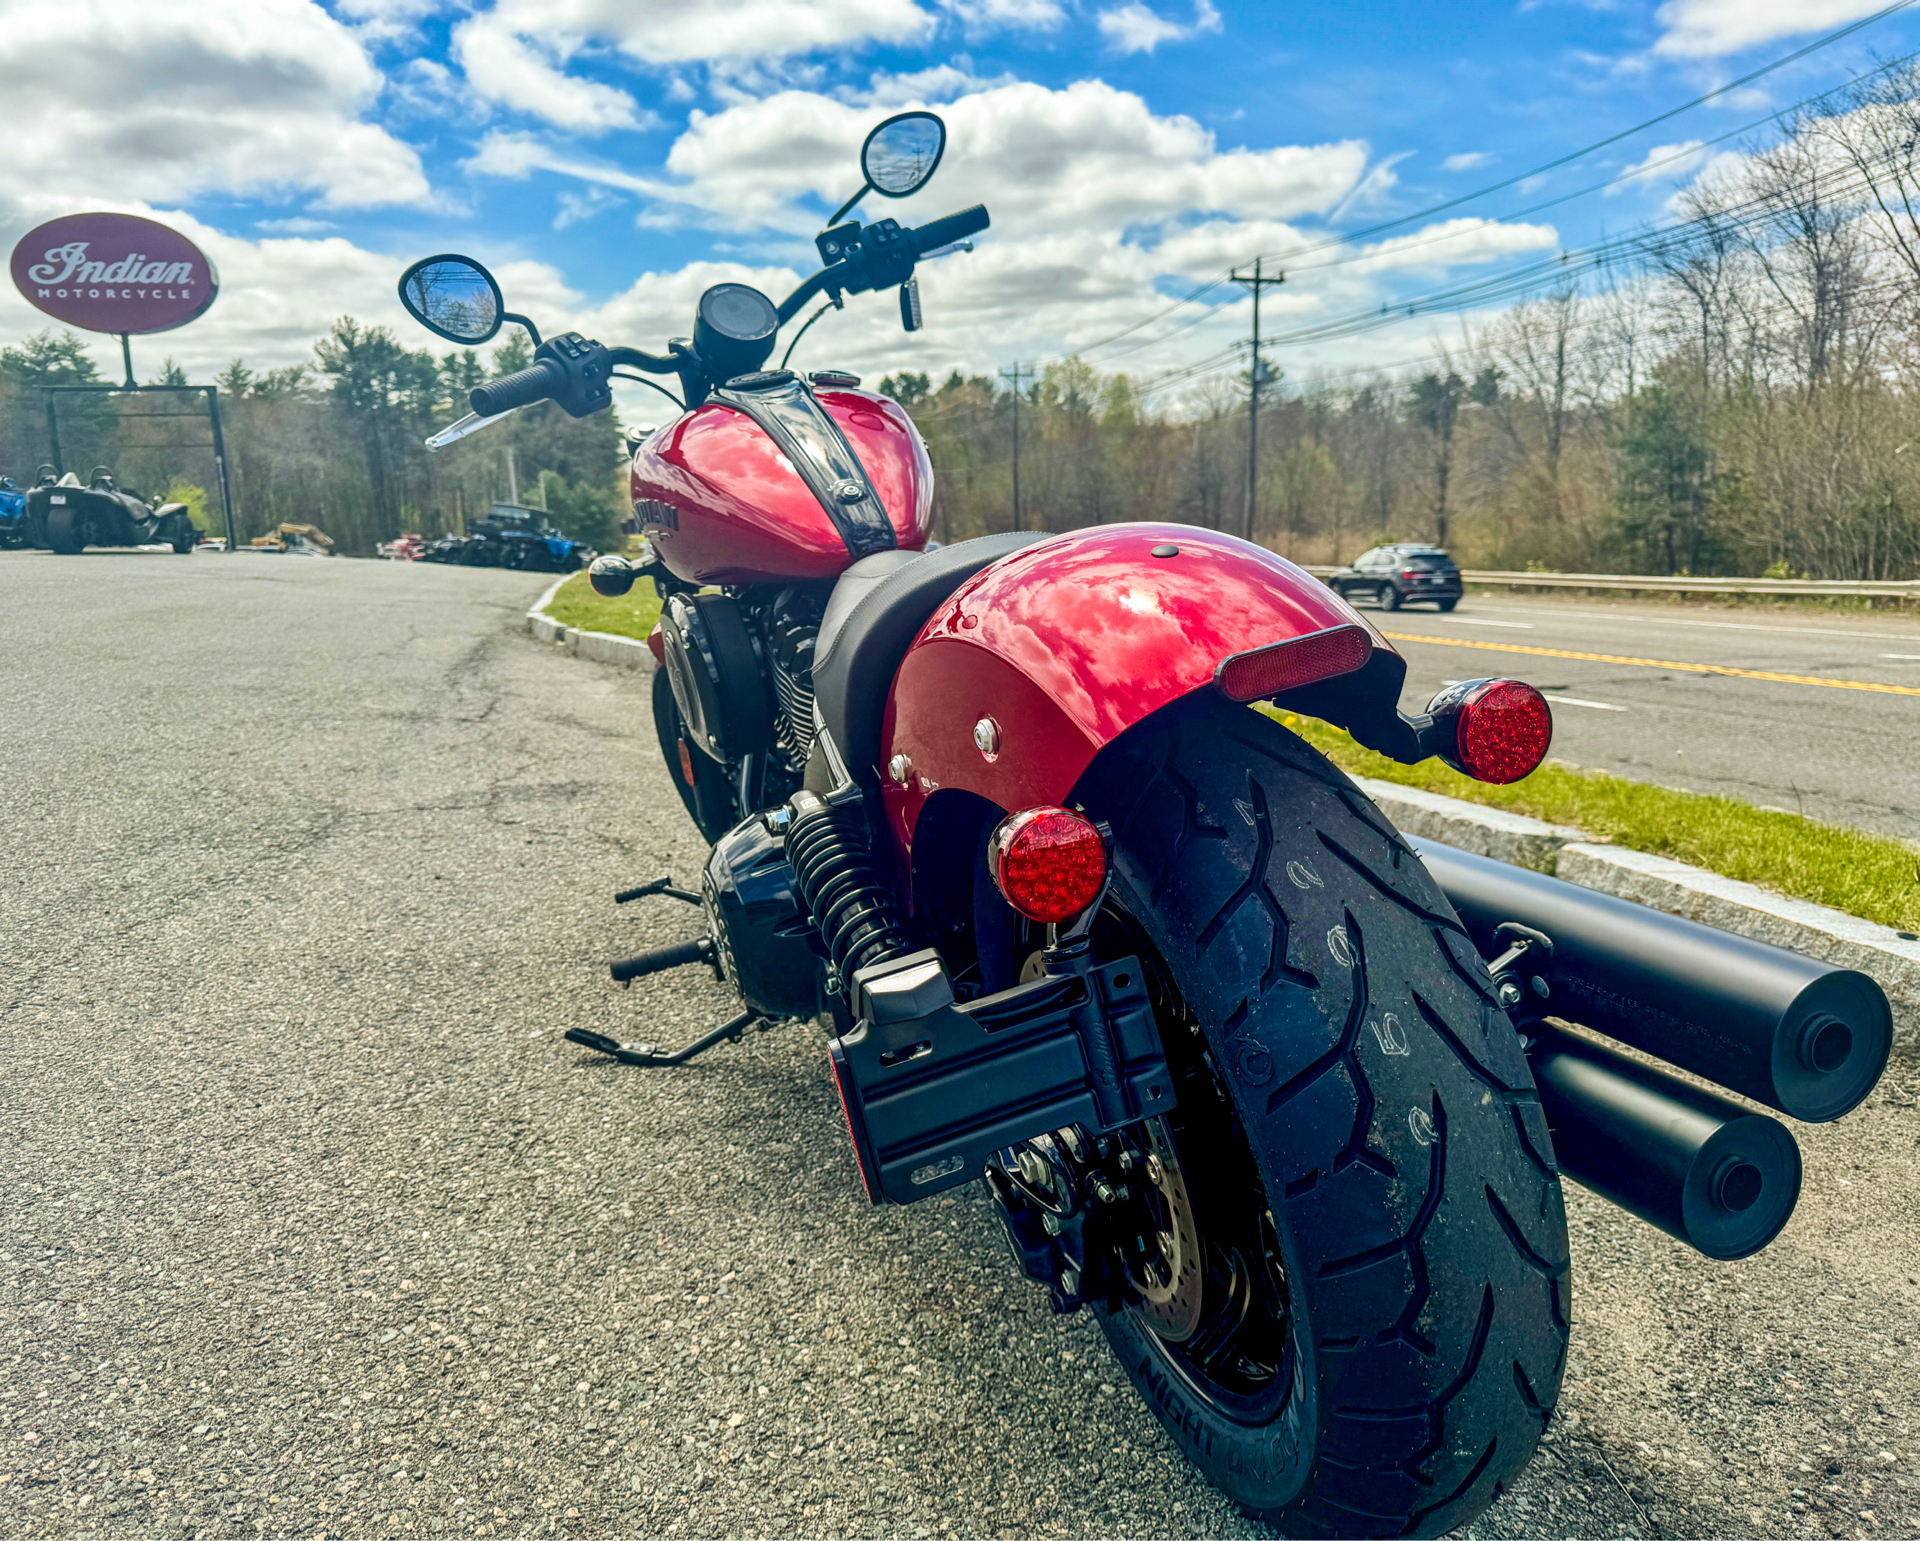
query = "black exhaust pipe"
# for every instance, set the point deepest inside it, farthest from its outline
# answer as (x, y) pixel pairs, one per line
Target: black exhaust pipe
(1795, 1034)
(1700, 1168)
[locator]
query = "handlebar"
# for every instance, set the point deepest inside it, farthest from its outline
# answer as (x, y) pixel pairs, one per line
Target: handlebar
(653, 363)
(520, 389)
(948, 229)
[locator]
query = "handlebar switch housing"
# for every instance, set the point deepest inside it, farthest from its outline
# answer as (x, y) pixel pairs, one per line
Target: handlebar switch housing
(587, 368)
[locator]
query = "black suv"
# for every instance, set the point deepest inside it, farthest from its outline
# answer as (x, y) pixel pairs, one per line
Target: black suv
(1398, 575)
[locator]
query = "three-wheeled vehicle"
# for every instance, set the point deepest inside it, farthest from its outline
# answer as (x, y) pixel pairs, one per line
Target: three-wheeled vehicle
(68, 517)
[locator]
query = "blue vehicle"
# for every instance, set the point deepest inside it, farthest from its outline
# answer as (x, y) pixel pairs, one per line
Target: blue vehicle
(13, 513)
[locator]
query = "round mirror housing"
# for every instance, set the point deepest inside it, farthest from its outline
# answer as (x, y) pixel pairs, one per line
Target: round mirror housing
(902, 154)
(454, 297)
(612, 576)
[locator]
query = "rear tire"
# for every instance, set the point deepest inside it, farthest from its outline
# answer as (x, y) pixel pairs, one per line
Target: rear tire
(1446, 606)
(1395, 1136)
(1389, 597)
(68, 533)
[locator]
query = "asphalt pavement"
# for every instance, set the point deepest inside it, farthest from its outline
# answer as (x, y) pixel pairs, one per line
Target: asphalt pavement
(311, 1224)
(1675, 693)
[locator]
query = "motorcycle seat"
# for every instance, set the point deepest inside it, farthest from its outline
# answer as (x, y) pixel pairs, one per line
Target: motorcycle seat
(875, 611)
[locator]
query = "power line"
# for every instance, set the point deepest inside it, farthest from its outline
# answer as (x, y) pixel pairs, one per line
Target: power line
(1838, 35)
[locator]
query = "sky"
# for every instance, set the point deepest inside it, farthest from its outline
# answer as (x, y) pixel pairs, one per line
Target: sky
(610, 159)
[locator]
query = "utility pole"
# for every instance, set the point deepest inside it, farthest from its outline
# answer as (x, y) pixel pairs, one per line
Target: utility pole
(1014, 374)
(1255, 282)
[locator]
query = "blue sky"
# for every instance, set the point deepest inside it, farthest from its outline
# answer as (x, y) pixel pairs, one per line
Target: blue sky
(612, 157)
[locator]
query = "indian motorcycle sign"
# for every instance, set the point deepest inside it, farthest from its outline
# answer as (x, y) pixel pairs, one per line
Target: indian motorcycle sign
(114, 273)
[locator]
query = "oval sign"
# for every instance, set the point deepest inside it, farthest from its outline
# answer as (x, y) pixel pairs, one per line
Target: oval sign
(114, 273)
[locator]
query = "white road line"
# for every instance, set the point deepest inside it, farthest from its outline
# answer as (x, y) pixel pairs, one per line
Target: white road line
(1911, 657)
(1778, 631)
(1598, 706)
(1474, 620)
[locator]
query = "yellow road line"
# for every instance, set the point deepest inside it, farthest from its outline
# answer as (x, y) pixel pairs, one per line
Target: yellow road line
(1657, 663)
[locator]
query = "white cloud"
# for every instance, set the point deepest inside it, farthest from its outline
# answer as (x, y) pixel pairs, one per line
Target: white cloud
(575, 207)
(938, 83)
(502, 66)
(993, 15)
(172, 101)
(1084, 155)
(1704, 29)
(1468, 161)
(1133, 28)
(1664, 162)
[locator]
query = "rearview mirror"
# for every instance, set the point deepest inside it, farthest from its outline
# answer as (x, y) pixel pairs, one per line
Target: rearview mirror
(902, 154)
(455, 297)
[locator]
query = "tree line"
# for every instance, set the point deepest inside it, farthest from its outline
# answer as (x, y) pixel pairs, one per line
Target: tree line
(338, 442)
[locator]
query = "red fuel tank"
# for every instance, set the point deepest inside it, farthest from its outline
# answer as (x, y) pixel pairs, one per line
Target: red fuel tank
(720, 503)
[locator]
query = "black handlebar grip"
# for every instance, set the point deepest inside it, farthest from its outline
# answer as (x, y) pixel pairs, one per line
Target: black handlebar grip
(950, 228)
(519, 389)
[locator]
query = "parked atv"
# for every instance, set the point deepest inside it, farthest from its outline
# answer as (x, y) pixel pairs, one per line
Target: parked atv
(69, 517)
(1245, 1074)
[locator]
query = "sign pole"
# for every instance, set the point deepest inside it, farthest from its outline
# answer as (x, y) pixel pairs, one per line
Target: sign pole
(53, 434)
(220, 465)
(126, 357)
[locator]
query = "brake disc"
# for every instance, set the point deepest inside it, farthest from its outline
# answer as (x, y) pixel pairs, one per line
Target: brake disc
(1167, 1282)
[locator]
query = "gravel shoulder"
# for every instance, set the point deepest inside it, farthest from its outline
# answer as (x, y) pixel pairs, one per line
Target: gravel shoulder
(313, 1224)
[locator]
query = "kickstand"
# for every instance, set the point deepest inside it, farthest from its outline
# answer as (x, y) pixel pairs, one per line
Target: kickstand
(663, 886)
(648, 1057)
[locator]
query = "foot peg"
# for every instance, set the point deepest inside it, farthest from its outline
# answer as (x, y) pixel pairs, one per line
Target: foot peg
(654, 960)
(648, 1056)
(663, 886)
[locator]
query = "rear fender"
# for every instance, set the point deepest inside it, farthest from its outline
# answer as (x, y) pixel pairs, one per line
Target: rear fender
(1066, 644)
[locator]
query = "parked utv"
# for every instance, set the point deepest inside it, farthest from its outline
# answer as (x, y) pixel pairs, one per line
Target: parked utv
(68, 517)
(13, 514)
(1392, 576)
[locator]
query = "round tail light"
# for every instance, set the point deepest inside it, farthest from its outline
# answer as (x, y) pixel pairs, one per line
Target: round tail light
(1493, 730)
(1048, 863)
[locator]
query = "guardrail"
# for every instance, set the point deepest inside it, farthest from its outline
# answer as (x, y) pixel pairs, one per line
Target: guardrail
(1836, 588)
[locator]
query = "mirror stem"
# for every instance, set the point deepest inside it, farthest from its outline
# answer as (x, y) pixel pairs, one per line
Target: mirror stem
(532, 330)
(847, 207)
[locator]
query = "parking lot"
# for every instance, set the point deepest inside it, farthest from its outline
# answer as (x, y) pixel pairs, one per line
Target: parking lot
(312, 1224)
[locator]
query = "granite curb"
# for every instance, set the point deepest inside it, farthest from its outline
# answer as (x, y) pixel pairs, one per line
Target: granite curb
(601, 646)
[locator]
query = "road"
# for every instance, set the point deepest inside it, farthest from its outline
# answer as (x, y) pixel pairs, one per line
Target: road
(1837, 751)
(313, 1225)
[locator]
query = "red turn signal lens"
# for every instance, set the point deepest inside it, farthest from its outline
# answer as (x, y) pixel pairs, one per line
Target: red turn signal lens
(1048, 863)
(1499, 730)
(1320, 655)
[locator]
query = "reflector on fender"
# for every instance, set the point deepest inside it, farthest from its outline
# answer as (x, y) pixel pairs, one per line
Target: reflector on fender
(1048, 863)
(1493, 730)
(1320, 655)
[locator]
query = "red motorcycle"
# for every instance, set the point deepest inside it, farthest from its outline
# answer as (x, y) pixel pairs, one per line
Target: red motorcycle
(1088, 926)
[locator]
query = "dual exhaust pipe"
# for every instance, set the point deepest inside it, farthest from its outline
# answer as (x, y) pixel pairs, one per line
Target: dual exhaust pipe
(1802, 1037)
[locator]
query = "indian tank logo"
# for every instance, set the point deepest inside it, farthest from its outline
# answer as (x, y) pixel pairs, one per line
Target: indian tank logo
(114, 273)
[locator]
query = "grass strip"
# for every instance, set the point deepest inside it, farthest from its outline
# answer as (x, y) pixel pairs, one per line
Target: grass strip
(632, 615)
(1870, 876)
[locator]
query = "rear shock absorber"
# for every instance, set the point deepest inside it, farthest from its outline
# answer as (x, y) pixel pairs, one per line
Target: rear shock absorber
(833, 867)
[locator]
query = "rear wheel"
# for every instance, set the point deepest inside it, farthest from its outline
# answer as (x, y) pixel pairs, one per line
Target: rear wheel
(1446, 605)
(1389, 597)
(1357, 1322)
(69, 530)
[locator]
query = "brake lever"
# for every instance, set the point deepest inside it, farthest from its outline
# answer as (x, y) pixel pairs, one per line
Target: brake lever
(473, 422)
(952, 248)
